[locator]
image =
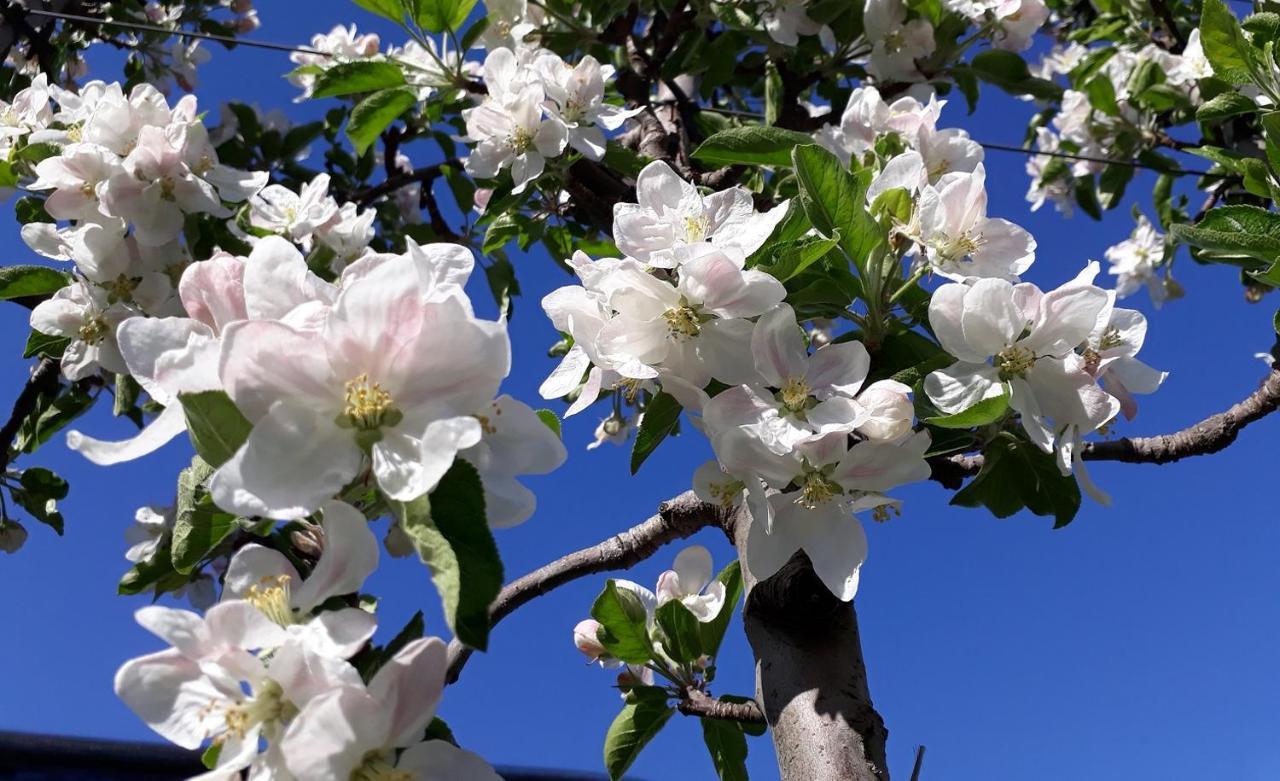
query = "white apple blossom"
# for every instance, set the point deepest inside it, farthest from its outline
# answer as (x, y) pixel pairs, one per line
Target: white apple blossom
(510, 22)
(696, 329)
(340, 44)
(671, 216)
(143, 536)
(691, 582)
(82, 314)
(575, 95)
(961, 241)
(1135, 263)
(1109, 356)
(385, 376)
(896, 43)
(512, 131)
(514, 441)
(295, 216)
(787, 20)
(1029, 338)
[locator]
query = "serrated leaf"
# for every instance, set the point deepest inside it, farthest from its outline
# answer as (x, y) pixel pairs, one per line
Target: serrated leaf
(440, 15)
(751, 145)
(728, 747)
(551, 420)
(713, 630)
(46, 345)
(631, 731)
(216, 425)
(30, 282)
(624, 632)
(681, 632)
(1225, 44)
(835, 201)
(387, 9)
(375, 113)
(1224, 106)
(1237, 230)
(451, 536)
(349, 78)
(660, 419)
(980, 414)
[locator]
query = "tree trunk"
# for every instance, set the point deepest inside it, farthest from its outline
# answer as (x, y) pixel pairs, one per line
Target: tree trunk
(810, 677)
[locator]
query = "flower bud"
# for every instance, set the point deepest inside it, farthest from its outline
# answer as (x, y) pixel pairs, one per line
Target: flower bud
(309, 541)
(586, 636)
(241, 6)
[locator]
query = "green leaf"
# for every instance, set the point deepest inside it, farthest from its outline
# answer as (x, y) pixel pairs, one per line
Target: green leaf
(210, 756)
(501, 276)
(681, 632)
(45, 345)
(624, 631)
(34, 153)
(387, 9)
(623, 160)
(375, 113)
(452, 537)
(1010, 73)
(551, 420)
(198, 525)
(216, 425)
(376, 658)
(1225, 44)
(440, 15)
(713, 630)
(38, 492)
(348, 78)
(631, 731)
(660, 419)
(30, 282)
(980, 414)
(1102, 95)
(751, 145)
(788, 259)
(728, 746)
(1271, 130)
(1234, 230)
(1017, 474)
(836, 203)
(503, 229)
(126, 396)
(1225, 106)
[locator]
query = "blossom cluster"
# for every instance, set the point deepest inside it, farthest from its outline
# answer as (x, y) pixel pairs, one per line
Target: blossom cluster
(264, 681)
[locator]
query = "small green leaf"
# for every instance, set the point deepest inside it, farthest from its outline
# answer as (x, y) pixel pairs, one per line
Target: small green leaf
(681, 632)
(836, 202)
(660, 419)
(387, 9)
(751, 145)
(774, 92)
(551, 420)
(631, 731)
(787, 259)
(980, 414)
(624, 631)
(198, 525)
(728, 746)
(375, 113)
(1235, 230)
(38, 492)
(45, 345)
(440, 15)
(452, 537)
(1225, 106)
(210, 756)
(348, 78)
(1017, 474)
(713, 630)
(217, 426)
(30, 282)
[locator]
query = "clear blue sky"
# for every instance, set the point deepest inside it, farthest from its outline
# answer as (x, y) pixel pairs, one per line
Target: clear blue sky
(1139, 642)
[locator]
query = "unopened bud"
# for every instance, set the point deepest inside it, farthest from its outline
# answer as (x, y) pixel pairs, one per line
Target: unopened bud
(586, 636)
(12, 536)
(241, 6)
(397, 542)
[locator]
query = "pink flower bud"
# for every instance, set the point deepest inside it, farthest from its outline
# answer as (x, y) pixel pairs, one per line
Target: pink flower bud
(585, 637)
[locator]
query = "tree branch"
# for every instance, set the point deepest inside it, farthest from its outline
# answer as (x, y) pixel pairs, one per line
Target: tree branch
(676, 518)
(42, 379)
(425, 175)
(1210, 435)
(694, 702)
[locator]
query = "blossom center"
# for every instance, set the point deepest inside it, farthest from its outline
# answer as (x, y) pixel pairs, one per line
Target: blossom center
(266, 706)
(815, 489)
(94, 330)
(521, 140)
(121, 288)
(271, 597)
(726, 493)
(695, 228)
(368, 406)
(376, 768)
(961, 246)
(1013, 362)
(794, 394)
(683, 322)
(1110, 338)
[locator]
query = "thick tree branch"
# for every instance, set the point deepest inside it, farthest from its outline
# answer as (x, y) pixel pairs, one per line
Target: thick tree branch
(676, 519)
(694, 702)
(1210, 435)
(44, 378)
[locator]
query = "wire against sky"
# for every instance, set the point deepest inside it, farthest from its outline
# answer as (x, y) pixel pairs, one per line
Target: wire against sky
(281, 47)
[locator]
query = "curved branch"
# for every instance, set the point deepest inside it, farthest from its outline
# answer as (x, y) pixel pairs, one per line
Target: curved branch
(698, 703)
(1210, 435)
(424, 175)
(676, 518)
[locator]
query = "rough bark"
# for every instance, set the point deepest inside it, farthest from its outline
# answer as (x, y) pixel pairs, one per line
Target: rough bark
(810, 676)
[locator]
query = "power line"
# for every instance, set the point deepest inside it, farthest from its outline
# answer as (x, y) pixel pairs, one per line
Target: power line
(1072, 156)
(224, 39)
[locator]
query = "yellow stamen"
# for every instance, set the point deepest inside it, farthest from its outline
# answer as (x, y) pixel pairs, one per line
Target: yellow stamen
(271, 597)
(683, 322)
(367, 404)
(1013, 362)
(795, 393)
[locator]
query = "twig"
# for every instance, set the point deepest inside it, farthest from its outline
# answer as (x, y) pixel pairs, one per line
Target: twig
(1175, 171)
(42, 379)
(1210, 435)
(694, 702)
(915, 770)
(676, 519)
(425, 175)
